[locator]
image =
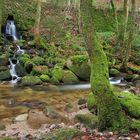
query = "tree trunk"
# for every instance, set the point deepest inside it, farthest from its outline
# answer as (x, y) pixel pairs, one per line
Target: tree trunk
(1, 4)
(115, 15)
(110, 113)
(127, 48)
(38, 18)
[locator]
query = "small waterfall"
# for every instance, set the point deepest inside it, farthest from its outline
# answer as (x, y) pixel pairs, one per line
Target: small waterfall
(10, 30)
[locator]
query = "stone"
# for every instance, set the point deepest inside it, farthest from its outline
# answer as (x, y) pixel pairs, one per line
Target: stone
(30, 81)
(114, 72)
(20, 70)
(80, 66)
(5, 75)
(3, 60)
(21, 118)
(69, 77)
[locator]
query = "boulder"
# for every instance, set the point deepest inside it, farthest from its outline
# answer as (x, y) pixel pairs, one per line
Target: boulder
(69, 77)
(80, 66)
(39, 70)
(3, 68)
(20, 70)
(5, 75)
(3, 60)
(45, 78)
(114, 72)
(57, 74)
(38, 60)
(30, 81)
(29, 66)
(88, 120)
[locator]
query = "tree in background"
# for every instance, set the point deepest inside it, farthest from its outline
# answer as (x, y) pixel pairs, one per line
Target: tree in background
(1, 5)
(110, 114)
(38, 18)
(127, 47)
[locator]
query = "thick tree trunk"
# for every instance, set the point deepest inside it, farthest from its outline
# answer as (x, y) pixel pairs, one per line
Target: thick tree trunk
(127, 47)
(110, 113)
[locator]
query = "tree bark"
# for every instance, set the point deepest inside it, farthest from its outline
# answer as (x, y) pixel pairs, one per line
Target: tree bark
(38, 18)
(127, 48)
(110, 114)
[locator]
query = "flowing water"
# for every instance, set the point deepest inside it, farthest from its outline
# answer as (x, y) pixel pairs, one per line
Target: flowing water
(10, 30)
(18, 100)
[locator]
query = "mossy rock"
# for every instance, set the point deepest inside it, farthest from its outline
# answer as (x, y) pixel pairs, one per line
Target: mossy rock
(23, 60)
(69, 77)
(130, 103)
(57, 75)
(80, 66)
(114, 72)
(39, 70)
(5, 75)
(61, 134)
(88, 120)
(91, 102)
(20, 70)
(30, 81)
(38, 60)
(135, 125)
(45, 78)
(3, 68)
(29, 66)
(3, 60)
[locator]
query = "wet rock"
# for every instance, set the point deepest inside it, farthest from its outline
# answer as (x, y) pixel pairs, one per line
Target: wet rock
(5, 75)
(3, 60)
(137, 83)
(69, 108)
(30, 81)
(114, 72)
(80, 66)
(20, 70)
(69, 77)
(82, 101)
(36, 118)
(20, 118)
(2, 127)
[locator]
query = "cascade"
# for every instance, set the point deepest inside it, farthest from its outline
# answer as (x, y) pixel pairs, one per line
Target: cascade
(10, 30)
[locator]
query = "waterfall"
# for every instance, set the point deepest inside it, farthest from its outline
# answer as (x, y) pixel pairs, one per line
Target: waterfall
(10, 30)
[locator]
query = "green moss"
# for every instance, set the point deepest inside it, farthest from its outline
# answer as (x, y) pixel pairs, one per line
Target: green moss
(24, 17)
(39, 70)
(130, 103)
(38, 60)
(7, 138)
(88, 120)
(62, 134)
(3, 60)
(79, 59)
(91, 102)
(57, 74)
(80, 66)
(69, 77)
(135, 125)
(5, 75)
(29, 66)
(114, 72)
(30, 81)
(45, 78)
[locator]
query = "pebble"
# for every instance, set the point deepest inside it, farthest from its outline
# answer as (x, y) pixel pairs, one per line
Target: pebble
(52, 126)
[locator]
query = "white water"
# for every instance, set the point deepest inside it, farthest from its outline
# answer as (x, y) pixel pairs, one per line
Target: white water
(11, 31)
(113, 81)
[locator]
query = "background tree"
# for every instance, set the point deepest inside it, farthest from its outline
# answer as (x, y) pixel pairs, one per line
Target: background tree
(127, 47)
(1, 5)
(110, 114)
(38, 18)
